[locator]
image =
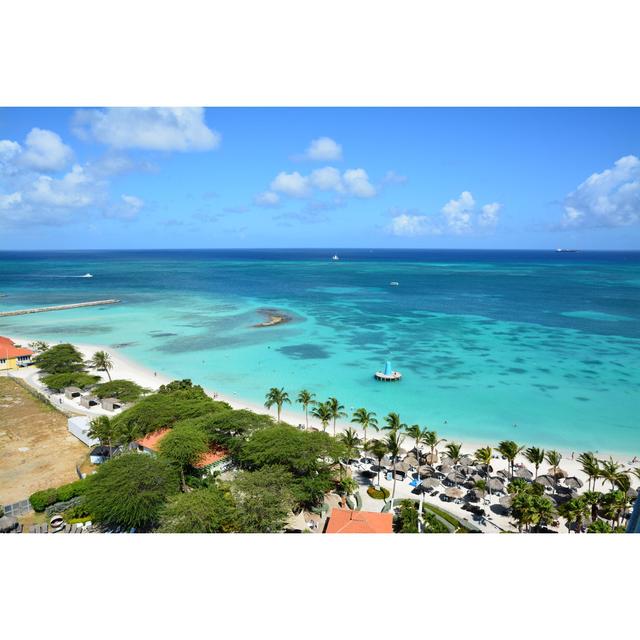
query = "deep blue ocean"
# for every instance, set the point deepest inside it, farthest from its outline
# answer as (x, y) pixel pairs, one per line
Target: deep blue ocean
(537, 346)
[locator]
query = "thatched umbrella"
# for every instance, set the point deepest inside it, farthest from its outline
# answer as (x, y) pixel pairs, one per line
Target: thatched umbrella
(476, 494)
(505, 501)
(453, 493)
(495, 484)
(557, 472)
(427, 472)
(546, 481)
(432, 459)
(445, 468)
(523, 472)
(466, 461)
(430, 483)
(386, 462)
(8, 523)
(401, 467)
(411, 460)
(455, 477)
(504, 473)
(573, 483)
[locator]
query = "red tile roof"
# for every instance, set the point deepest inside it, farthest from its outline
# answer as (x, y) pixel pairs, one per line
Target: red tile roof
(9, 350)
(347, 521)
(152, 440)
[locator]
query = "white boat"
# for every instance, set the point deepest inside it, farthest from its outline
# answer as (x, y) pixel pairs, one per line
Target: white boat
(335, 258)
(566, 250)
(87, 275)
(394, 283)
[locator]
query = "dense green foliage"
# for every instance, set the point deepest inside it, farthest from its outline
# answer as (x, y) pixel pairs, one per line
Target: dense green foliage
(59, 381)
(378, 494)
(209, 510)
(40, 500)
(172, 403)
(130, 490)
(61, 358)
(406, 520)
(183, 446)
(124, 390)
(231, 427)
(263, 499)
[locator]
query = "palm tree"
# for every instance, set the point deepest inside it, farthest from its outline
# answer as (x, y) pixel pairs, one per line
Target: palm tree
(636, 472)
(351, 441)
(378, 450)
(418, 435)
(102, 430)
(365, 419)
(101, 361)
(509, 449)
(305, 398)
(610, 472)
(544, 511)
(591, 468)
(393, 443)
(535, 456)
(336, 411)
(322, 412)
(592, 498)
(393, 422)
(484, 456)
(432, 441)
(278, 397)
(553, 457)
(575, 511)
(454, 451)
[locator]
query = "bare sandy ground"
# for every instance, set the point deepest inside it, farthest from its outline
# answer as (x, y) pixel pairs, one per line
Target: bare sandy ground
(36, 450)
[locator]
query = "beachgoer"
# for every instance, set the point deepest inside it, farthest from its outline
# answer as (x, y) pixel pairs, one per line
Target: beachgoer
(154, 373)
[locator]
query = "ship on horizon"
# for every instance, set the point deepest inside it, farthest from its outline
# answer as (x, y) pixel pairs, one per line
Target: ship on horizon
(566, 251)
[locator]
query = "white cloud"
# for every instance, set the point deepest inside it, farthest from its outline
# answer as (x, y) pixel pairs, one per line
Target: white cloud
(10, 200)
(75, 189)
(405, 224)
(127, 209)
(267, 199)
(489, 214)
(391, 177)
(357, 183)
(9, 152)
(45, 151)
(327, 179)
(158, 129)
(607, 199)
(324, 149)
(291, 184)
(458, 216)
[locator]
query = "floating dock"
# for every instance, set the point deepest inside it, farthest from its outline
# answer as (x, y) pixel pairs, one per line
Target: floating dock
(61, 307)
(388, 375)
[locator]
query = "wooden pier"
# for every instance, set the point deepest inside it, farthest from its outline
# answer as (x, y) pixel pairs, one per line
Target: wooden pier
(61, 307)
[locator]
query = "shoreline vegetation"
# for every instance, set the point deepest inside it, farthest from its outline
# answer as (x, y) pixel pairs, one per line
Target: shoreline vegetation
(303, 470)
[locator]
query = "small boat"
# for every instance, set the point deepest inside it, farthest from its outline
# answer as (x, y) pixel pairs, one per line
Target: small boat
(394, 284)
(335, 258)
(87, 275)
(566, 251)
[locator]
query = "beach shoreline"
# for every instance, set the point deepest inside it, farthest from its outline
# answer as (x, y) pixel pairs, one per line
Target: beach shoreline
(127, 368)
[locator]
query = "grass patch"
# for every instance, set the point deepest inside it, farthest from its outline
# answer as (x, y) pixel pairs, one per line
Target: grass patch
(445, 515)
(378, 494)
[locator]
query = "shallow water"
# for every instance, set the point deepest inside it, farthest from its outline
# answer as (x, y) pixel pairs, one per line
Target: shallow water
(485, 340)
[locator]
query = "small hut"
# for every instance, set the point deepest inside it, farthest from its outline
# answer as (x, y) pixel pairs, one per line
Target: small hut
(89, 401)
(72, 392)
(388, 375)
(111, 404)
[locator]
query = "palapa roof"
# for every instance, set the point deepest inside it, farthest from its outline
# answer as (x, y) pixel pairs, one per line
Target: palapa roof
(453, 492)
(347, 521)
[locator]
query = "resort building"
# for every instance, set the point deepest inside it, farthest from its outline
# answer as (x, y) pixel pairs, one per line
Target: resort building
(13, 357)
(348, 521)
(79, 426)
(215, 460)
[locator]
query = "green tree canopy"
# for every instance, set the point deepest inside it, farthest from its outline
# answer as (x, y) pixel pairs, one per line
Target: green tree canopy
(130, 490)
(231, 427)
(124, 390)
(209, 510)
(59, 381)
(183, 446)
(61, 358)
(263, 499)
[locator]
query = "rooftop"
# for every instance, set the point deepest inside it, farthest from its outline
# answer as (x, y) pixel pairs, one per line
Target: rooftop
(9, 350)
(347, 521)
(152, 441)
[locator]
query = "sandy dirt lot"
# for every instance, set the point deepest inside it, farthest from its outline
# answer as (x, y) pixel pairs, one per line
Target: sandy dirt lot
(36, 450)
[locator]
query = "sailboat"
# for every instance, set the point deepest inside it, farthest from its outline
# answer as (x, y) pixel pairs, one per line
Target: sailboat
(87, 275)
(335, 258)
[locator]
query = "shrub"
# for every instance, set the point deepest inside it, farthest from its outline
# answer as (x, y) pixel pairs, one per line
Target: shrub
(378, 494)
(76, 513)
(58, 381)
(62, 358)
(71, 490)
(40, 500)
(124, 390)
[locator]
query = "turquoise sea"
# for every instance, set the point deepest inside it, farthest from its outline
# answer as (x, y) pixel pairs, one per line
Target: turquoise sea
(541, 347)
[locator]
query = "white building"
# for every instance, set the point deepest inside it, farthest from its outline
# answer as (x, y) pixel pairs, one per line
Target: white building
(79, 426)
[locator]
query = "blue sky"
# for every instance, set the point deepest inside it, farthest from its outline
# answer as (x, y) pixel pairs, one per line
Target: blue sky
(305, 177)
